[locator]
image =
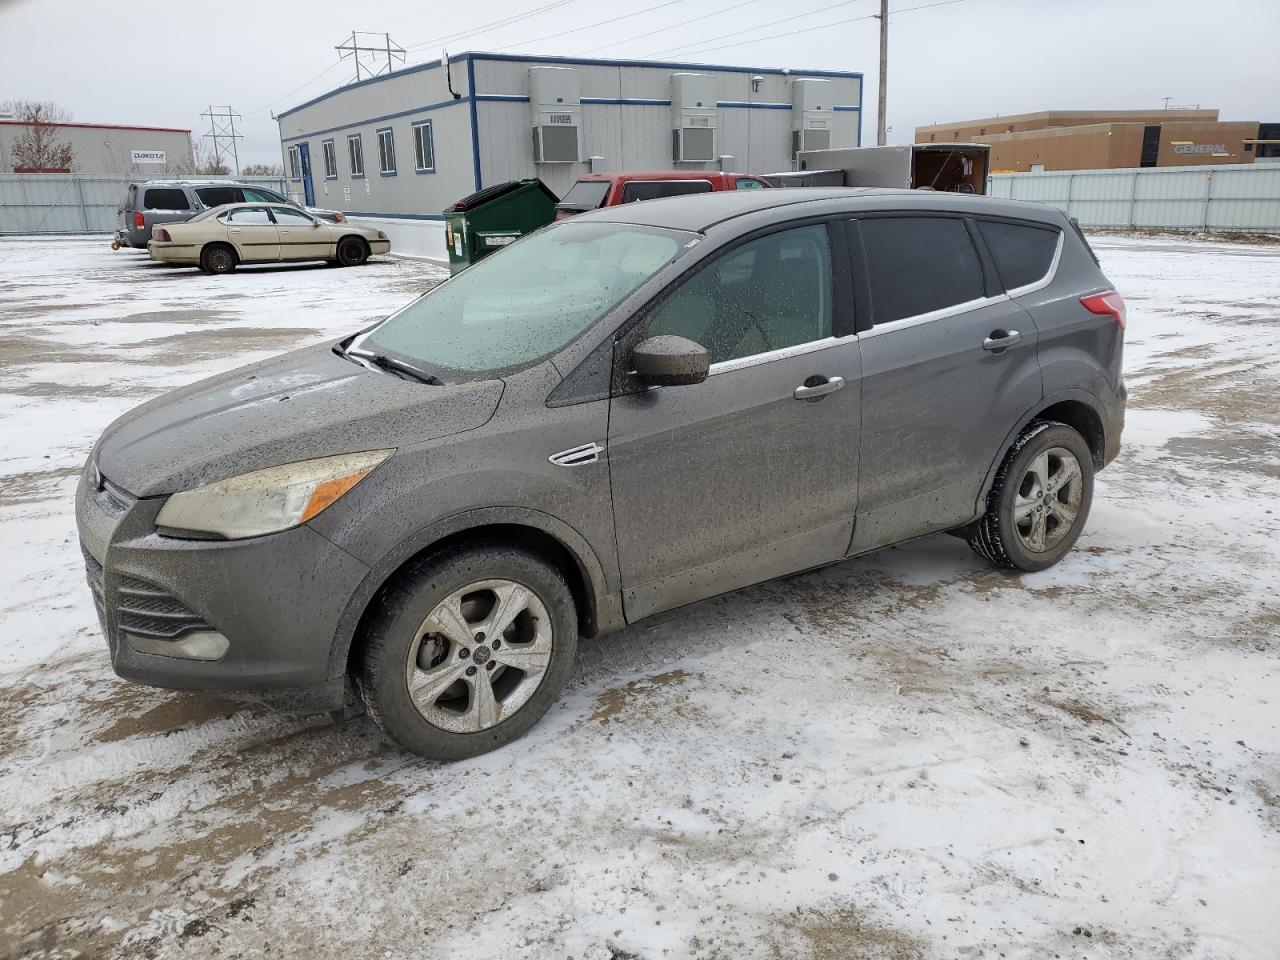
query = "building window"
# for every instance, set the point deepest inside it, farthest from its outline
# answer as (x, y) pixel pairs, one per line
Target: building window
(295, 163)
(424, 149)
(982, 132)
(355, 155)
(386, 152)
(330, 160)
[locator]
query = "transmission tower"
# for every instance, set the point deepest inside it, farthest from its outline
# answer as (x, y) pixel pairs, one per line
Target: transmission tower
(372, 56)
(222, 131)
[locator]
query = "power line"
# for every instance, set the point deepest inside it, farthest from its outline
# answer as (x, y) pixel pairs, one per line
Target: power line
(354, 47)
(267, 106)
(222, 126)
(592, 26)
(674, 26)
(822, 26)
(763, 26)
(493, 25)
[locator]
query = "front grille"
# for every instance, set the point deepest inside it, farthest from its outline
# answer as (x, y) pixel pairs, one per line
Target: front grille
(146, 610)
(97, 586)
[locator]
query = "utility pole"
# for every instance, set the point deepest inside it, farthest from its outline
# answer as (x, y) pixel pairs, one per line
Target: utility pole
(1166, 101)
(884, 66)
(360, 43)
(222, 129)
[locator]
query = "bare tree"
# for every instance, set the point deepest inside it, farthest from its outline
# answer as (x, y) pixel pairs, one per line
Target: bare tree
(38, 146)
(262, 170)
(209, 163)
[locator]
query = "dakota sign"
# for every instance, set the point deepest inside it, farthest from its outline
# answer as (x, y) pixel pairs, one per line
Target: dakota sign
(148, 156)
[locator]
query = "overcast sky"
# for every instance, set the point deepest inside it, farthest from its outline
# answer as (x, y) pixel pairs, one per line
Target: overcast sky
(158, 63)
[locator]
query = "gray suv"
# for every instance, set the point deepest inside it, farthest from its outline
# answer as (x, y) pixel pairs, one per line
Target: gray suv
(621, 413)
(171, 201)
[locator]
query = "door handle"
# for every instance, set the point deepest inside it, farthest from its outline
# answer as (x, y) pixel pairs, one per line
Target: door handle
(1001, 339)
(815, 388)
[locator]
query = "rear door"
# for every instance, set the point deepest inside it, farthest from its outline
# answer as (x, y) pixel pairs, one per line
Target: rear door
(253, 232)
(753, 473)
(217, 195)
(949, 368)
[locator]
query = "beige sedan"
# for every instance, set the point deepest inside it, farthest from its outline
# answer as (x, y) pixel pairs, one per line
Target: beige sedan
(220, 239)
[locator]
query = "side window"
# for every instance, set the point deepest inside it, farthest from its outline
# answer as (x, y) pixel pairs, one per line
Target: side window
(424, 151)
(919, 264)
(290, 218)
(217, 196)
(246, 216)
(652, 189)
(258, 195)
(1023, 253)
(330, 160)
(165, 198)
(386, 152)
(769, 293)
(743, 184)
(355, 155)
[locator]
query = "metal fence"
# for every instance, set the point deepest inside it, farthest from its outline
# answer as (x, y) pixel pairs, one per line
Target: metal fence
(1236, 197)
(33, 203)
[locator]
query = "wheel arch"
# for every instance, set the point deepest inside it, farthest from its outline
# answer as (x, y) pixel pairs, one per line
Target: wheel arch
(209, 244)
(597, 605)
(1078, 409)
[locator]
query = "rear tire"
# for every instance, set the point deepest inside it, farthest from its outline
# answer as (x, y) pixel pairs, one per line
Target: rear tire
(218, 258)
(352, 252)
(466, 649)
(1039, 501)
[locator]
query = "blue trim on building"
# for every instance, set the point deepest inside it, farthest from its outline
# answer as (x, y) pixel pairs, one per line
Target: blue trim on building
(502, 97)
(846, 108)
(627, 101)
(475, 123)
(752, 105)
(390, 116)
(395, 216)
(521, 58)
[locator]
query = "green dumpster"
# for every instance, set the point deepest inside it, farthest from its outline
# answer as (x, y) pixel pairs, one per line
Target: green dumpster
(488, 220)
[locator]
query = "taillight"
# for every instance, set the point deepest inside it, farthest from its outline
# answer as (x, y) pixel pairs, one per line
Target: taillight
(1110, 303)
(138, 221)
(161, 234)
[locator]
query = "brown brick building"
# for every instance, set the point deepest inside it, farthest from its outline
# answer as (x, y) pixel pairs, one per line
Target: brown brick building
(1097, 139)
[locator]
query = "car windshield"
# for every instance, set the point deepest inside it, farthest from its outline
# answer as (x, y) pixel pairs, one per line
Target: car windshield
(526, 301)
(586, 194)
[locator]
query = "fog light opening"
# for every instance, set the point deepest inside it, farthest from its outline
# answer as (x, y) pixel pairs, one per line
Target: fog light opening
(205, 645)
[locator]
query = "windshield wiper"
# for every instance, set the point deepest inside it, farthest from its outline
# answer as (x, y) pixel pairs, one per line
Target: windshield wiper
(393, 365)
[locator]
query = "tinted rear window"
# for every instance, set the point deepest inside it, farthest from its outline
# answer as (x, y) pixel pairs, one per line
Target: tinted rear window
(165, 198)
(652, 189)
(1023, 253)
(919, 264)
(217, 196)
(586, 194)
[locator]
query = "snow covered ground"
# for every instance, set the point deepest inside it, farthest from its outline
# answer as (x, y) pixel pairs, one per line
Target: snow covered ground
(907, 755)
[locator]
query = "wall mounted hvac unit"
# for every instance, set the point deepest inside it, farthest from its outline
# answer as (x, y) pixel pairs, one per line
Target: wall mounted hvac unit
(693, 117)
(812, 114)
(556, 112)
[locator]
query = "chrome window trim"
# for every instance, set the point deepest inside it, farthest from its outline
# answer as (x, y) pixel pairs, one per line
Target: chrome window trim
(931, 316)
(782, 353)
(1048, 278)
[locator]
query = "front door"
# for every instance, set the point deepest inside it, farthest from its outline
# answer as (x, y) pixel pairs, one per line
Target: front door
(308, 191)
(300, 237)
(753, 473)
(949, 368)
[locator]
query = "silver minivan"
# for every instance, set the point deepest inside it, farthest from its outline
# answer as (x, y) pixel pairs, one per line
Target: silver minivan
(622, 413)
(170, 201)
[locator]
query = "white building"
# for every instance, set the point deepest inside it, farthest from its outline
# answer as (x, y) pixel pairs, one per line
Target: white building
(401, 147)
(103, 148)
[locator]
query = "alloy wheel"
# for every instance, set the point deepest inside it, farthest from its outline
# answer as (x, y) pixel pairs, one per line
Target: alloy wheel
(1048, 500)
(479, 656)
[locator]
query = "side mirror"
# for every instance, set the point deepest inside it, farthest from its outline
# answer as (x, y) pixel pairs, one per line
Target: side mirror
(316, 224)
(669, 361)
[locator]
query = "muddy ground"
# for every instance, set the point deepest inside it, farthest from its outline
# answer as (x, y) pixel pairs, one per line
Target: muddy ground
(908, 755)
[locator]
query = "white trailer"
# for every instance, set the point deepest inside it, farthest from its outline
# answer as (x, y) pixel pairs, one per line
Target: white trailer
(952, 167)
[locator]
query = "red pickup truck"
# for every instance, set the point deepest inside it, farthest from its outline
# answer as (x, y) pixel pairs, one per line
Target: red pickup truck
(597, 190)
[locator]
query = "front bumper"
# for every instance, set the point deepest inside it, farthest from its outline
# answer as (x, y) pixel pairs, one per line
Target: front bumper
(276, 599)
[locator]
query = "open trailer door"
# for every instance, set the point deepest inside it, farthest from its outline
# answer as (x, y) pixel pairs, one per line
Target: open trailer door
(950, 167)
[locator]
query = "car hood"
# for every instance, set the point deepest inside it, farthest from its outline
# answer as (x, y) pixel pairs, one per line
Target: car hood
(304, 404)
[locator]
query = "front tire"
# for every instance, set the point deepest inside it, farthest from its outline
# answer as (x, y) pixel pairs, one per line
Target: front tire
(467, 649)
(1039, 501)
(218, 258)
(352, 252)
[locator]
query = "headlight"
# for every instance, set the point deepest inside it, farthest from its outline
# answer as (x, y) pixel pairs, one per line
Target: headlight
(267, 501)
